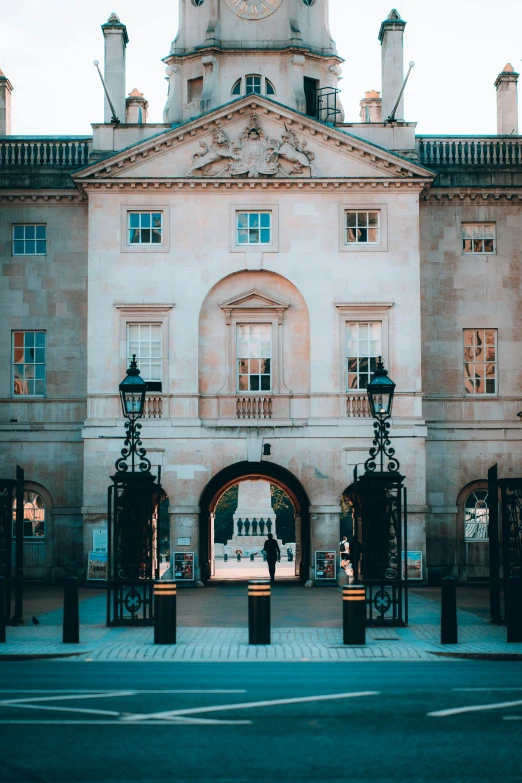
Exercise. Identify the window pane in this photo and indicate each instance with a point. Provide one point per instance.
(145, 236)
(41, 232)
(39, 387)
(134, 220)
(254, 383)
(373, 235)
(467, 231)
(265, 383)
(41, 247)
(242, 237)
(39, 355)
(134, 236)
(30, 247)
(478, 246)
(145, 220)
(488, 246)
(265, 219)
(362, 235)
(28, 339)
(254, 366)
(40, 339)
(156, 220)
(265, 236)
(373, 219)
(253, 220)
(351, 237)
(265, 366)
(18, 232)
(351, 219)
(253, 236)
(30, 232)
(18, 248)
(243, 383)
(242, 220)
(467, 248)
(156, 236)
(352, 381)
(362, 218)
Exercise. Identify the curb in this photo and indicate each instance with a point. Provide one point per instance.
(479, 656)
(41, 656)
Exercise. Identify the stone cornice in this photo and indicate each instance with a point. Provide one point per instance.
(61, 198)
(222, 50)
(445, 196)
(221, 184)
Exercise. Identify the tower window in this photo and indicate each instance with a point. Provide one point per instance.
(198, 3)
(236, 89)
(269, 87)
(310, 90)
(253, 85)
(309, 3)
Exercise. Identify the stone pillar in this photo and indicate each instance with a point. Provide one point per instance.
(507, 101)
(325, 530)
(371, 107)
(136, 108)
(6, 88)
(391, 36)
(184, 523)
(116, 40)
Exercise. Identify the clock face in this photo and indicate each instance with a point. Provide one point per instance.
(253, 9)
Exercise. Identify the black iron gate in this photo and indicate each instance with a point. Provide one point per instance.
(134, 548)
(380, 545)
(505, 537)
(11, 490)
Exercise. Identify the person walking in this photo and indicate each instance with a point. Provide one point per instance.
(344, 547)
(273, 554)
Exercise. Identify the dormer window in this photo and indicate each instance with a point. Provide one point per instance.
(253, 84)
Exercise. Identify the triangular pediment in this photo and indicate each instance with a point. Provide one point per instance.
(254, 299)
(252, 138)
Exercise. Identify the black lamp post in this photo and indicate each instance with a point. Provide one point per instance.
(380, 397)
(132, 393)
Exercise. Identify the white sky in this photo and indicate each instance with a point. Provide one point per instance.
(459, 46)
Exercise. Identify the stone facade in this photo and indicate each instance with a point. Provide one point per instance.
(228, 154)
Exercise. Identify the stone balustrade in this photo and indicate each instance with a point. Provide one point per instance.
(469, 150)
(153, 407)
(72, 152)
(357, 406)
(254, 407)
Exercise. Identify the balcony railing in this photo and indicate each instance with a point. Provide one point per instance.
(153, 407)
(72, 152)
(254, 407)
(357, 406)
(469, 150)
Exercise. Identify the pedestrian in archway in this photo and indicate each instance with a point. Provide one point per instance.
(273, 554)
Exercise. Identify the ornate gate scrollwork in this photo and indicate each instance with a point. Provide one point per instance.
(505, 537)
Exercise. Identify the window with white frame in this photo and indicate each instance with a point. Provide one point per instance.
(34, 515)
(254, 357)
(478, 238)
(362, 228)
(28, 351)
(144, 341)
(145, 228)
(30, 239)
(254, 228)
(476, 516)
(363, 347)
(480, 361)
(253, 85)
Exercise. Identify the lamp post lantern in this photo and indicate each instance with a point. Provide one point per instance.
(381, 390)
(132, 393)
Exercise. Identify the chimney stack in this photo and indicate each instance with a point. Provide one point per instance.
(371, 107)
(391, 36)
(507, 102)
(116, 39)
(6, 88)
(137, 106)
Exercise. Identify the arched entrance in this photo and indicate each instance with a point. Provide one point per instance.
(245, 471)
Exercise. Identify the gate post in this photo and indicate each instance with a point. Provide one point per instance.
(514, 605)
(494, 547)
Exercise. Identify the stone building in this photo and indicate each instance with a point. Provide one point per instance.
(258, 252)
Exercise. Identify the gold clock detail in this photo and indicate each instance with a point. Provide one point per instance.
(253, 9)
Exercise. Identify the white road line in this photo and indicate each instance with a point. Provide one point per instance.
(105, 695)
(247, 705)
(62, 709)
(104, 690)
(512, 717)
(482, 690)
(475, 708)
(180, 722)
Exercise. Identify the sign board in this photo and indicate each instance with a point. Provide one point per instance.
(184, 541)
(325, 565)
(414, 565)
(183, 566)
(99, 540)
(98, 567)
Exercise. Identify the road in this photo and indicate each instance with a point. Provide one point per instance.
(81, 722)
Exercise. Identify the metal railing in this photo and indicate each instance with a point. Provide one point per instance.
(254, 407)
(28, 151)
(470, 150)
(357, 406)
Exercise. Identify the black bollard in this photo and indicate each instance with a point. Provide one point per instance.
(238, 557)
(165, 613)
(225, 557)
(448, 616)
(252, 557)
(259, 611)
(514, 609)
(3, 613)
(71, 616)
(354, 614)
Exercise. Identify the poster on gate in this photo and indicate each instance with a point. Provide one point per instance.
(183, 566)
(325, 565)
(413, 565)
(98, 567)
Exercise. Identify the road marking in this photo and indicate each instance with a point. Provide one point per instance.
(475, 708)
(482, 690)
(104, 695)
(247, 705)
(91, 690)
(60, 709)
(512, 717)
(180, 722)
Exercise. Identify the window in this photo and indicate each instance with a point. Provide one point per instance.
(145, 228)
(476, 516)
(309, 2)
(29, 364)
(34, 515)
(198, 3)
(480, 361)
(254, 228)
(253, 85)
(310, 90)
(478, 238)
(236, 89)
(194, 89)
(254, 357)
(144, 340)
(362, 228)
(30, 240)
(269, 87)
(363, 346)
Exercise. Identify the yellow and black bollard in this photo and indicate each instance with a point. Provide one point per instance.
(354, 614)
(259, 611)
(448, 616)
(165, 613)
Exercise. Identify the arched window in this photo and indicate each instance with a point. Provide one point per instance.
(309, 2)
(476, 516)
(34, 515)
(253, 84)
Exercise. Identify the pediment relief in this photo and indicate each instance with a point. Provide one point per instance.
(253, 138)
(254, 299)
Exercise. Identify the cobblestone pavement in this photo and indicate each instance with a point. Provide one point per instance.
(419, 641)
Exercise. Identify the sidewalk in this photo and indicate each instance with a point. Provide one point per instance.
(306, 625)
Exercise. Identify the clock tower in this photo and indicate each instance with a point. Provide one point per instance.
(227, 48)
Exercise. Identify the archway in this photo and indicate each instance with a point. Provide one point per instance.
(247, 471)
